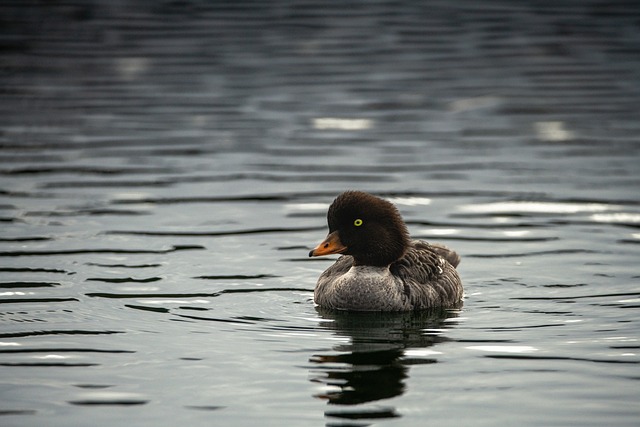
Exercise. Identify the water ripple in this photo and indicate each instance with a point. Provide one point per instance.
(35, 300)
(123, 279)
(362, 414)
(555, 297)
(535, 253)
(99, 251)
(218, 127)
(34, 270)
(11, 285)
(537, 207)
(561, 358)
(18, 412)
(62, 350)
(49, 364)
(237, 277)
(109, 399)
(56, 332)
(276, 230)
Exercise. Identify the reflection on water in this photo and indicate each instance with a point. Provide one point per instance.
(374, 363)
(362, 377)
(341, 124)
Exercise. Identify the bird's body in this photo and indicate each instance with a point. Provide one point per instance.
(382, 269)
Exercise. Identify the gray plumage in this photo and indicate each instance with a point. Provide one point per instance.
(374, 274)
(421, 279)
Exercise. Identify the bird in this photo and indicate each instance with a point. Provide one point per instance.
(381, 268)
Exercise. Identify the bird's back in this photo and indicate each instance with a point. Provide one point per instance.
(429, 275)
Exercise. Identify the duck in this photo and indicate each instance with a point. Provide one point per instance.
(381, 268)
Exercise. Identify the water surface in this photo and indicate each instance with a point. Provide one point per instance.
(165, 169)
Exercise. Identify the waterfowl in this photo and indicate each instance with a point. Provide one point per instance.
(381, 267)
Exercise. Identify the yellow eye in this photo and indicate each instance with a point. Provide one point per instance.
(357, 222)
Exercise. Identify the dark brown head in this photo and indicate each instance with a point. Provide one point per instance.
(366, 227)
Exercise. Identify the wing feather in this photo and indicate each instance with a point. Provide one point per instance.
(429, 278)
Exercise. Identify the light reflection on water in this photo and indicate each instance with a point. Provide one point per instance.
(163, 177)
(538, 207)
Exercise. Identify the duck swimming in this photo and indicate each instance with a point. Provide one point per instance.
(382, 269)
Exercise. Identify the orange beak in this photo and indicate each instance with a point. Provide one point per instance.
(330, 245)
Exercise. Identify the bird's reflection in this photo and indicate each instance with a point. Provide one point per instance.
(362, 377)
(371, 363)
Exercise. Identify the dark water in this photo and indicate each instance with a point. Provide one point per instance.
(166, 166)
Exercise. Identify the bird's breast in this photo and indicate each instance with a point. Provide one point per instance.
(365, 288)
